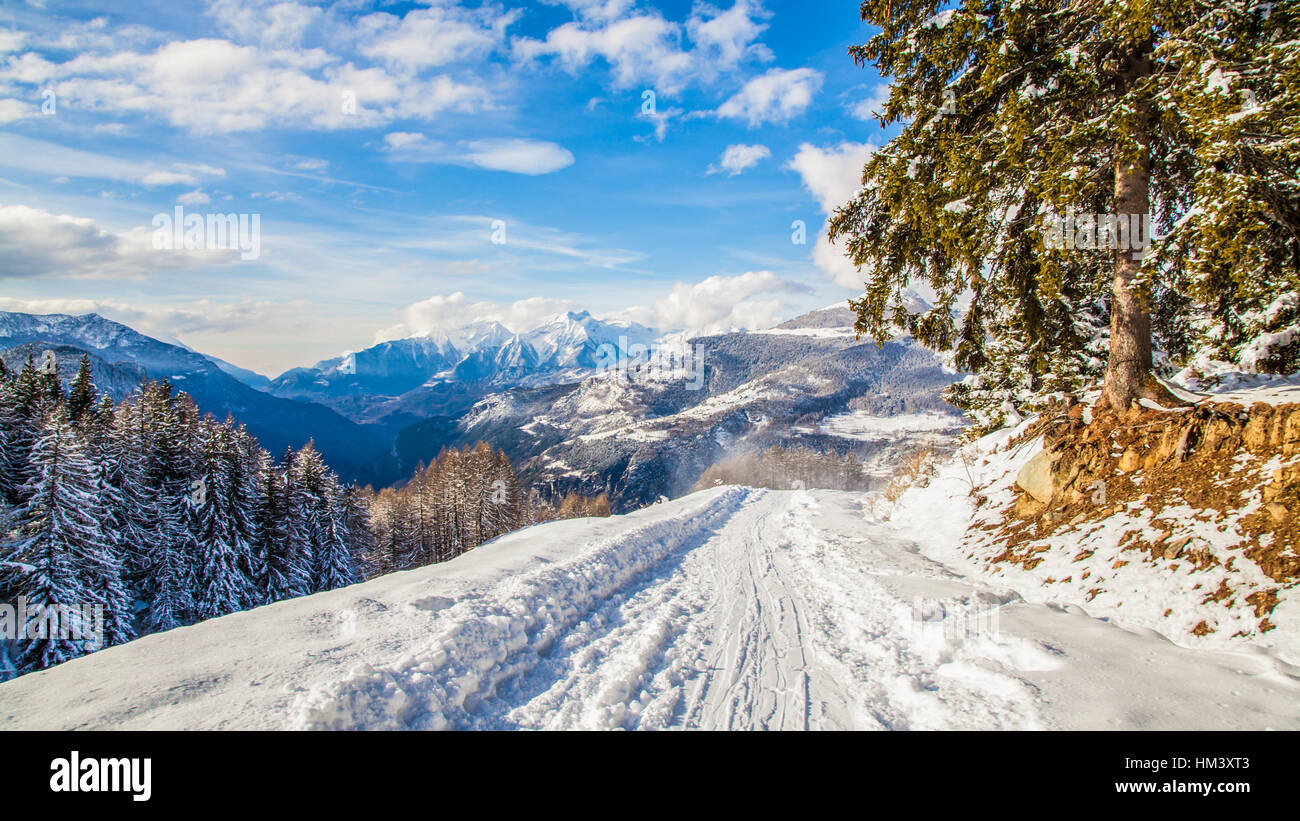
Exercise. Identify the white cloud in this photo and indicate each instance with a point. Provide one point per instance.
(642, 47)
(715, 305)
(660, 120)
(271, 23)
(834, 176)
(595, 9)
(435, 36)
(36, 243)
(719, 304)
(773, 97)
(83, 36)
(520, 156)
(201, 168)
(311, 164)
(276, 196)
(11, 41)
(728, 37)
(195, 197)
(737, 158)
(402, 139)
(59, 161)
(156, 178)
(161, 322)
(11, 110)
(217, 86)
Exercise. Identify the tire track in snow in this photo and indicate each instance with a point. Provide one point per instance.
(737, 612)
(500, 640)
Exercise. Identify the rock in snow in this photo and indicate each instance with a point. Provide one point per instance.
(1036, 477)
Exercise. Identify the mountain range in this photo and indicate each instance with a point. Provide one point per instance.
(578, 403)
(393, 384)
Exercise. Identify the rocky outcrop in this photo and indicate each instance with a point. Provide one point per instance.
(1208, 457)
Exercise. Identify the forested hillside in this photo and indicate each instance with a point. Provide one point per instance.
(121, 519)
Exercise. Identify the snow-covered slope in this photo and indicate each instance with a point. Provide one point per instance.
(729, 608)
(1189, 550)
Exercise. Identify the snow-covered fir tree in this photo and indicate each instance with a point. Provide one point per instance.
(222, 582)
(1036, 136)
(61, 548)
(108, 466)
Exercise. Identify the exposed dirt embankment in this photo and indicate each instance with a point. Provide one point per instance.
(1207, 494)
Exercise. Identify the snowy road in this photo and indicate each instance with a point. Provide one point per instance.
(728, 609)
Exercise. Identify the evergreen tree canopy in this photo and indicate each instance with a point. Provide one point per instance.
(1017, 115)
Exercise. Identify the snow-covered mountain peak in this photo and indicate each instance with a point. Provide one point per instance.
(479, 335)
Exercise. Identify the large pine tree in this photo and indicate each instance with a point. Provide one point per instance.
(62, 547)
(222, 583)
(1016, 115)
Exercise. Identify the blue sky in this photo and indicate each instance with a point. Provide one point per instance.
(415, 166)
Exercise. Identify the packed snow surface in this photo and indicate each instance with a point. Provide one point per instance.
(733, 608)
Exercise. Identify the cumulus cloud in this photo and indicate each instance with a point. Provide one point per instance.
(833, 176)
(11, 41)
(642, 47)
(264, 77)
(715, 305)
(11, 110)
(402, 139)
(776, 96)
(728, 38)
(595, 9)
(36, 243)
(269, 22)
(434, 36)
(719, 304)
(737, 158)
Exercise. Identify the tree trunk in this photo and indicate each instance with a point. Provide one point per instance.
(1129, 375)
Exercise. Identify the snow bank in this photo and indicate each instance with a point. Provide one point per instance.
(961, 516)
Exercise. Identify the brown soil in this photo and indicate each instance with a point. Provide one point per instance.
(1194, 457)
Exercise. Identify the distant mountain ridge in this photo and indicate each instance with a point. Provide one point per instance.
(388, 383)
(121, 357)
(639, 434)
